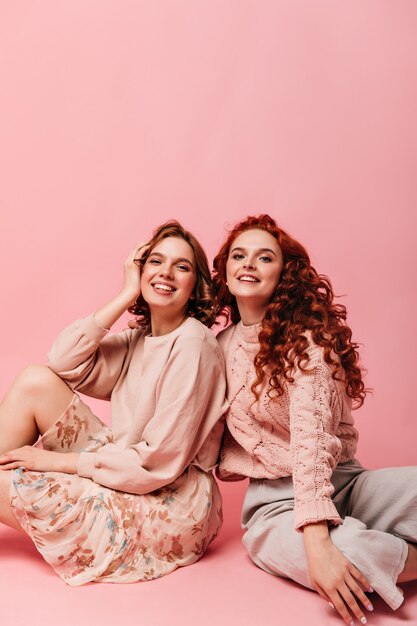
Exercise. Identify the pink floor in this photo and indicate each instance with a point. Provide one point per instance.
(224, 588)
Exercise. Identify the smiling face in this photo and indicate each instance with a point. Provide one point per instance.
(254, 267)
(169, 276)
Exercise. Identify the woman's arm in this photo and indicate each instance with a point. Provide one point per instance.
(88, 361)
(190, 399)
(315, 447)
(39, 460)
(83, 356)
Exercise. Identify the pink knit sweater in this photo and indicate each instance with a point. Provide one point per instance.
(304, 433)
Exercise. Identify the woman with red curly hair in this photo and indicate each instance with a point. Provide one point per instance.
(312, 513)
(137, 500)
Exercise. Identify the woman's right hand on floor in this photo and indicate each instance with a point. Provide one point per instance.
(333, 576)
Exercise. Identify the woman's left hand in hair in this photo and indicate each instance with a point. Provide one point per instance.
(39, 460)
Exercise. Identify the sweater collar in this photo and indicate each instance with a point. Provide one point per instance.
(151, 340)
(249, 334)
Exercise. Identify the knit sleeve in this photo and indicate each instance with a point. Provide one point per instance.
(190, 399)
(89, 360)
(315, 449)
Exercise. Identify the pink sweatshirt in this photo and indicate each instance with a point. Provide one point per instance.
(165, 408)
(304, 433)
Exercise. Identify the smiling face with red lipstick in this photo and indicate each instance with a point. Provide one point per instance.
(253, 270)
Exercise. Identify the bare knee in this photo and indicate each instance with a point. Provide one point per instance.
(36, 379)
(31, 406)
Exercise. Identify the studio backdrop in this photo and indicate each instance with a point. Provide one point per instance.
(116, 116)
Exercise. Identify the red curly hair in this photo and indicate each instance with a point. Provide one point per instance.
(303, 300)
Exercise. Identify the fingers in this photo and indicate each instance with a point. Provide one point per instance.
(11, 466)
(345, 600)
(323, 595)
(364, 582)
(339, 582)
(138, 252)
(352, 605)
(339, 604)
(7, 457)
(336, 602)
(10, 461)
(15, 455)
(358, 591)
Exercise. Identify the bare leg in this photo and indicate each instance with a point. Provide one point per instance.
(6, 515)
(410, 568)
(32, 405)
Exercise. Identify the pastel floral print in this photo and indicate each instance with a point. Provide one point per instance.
(88, 532)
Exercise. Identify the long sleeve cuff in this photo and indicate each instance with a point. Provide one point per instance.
(92, 330)
(86, 464)
(316, 511)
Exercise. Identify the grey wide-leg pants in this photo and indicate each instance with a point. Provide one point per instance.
(379, 511)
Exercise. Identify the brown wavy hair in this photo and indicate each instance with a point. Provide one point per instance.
(303, 300)
(201, 303)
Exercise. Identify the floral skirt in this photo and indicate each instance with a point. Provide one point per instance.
(88, 532)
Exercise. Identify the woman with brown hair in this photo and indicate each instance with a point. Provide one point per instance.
(312, 513)
(137, 500)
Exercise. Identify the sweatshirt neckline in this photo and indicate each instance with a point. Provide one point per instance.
(161, 338)
(249, 333)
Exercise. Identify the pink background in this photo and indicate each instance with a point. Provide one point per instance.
(116, 116)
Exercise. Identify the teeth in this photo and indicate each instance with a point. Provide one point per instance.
(248, 279)
(163, 287)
